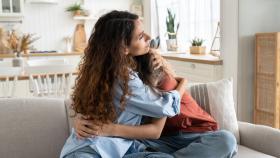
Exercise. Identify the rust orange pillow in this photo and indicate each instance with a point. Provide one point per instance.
(192, 117)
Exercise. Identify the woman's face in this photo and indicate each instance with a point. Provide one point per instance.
(140, 43)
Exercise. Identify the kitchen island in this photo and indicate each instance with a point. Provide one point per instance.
(2, 56)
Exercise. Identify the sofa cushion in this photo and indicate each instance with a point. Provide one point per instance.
(32, 128)
(217, 99)
(244, 152)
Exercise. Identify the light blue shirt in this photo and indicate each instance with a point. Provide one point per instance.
(144, 101)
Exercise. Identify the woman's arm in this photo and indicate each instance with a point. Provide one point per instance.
(87, 128)
(147, 131)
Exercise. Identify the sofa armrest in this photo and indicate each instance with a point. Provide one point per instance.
(259, 137)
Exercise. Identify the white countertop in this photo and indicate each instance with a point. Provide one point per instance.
(205, 59)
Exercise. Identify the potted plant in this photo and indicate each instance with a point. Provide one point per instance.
(171, 32)
(197, 47)
(76, 9)
(20, 44)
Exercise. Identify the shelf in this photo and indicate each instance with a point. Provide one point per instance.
(92, 18)
(11, 17)
(204, 59)
(85, 18)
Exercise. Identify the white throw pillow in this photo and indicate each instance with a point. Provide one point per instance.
(217, 99)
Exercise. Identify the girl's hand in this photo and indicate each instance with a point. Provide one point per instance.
(181, 79)
(157, 59)
(181, 87)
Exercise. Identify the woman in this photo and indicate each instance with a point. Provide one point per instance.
(108, 89)
(196, 141)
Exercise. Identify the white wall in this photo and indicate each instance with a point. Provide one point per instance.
(52, 23)
(229, 42)
(240, 20)
(254, 16)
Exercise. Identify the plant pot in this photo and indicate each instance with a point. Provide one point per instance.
(78, 13)
(197, 50)
(171, 44)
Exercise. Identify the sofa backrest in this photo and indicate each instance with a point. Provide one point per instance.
(32, 127)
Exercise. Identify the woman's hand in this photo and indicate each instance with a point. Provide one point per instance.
(86, 128)
(81, 126)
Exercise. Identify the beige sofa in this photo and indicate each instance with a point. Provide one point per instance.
(38, 128)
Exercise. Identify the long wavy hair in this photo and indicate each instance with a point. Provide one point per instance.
(104, 63)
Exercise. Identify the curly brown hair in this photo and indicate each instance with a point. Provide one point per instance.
(102, 65)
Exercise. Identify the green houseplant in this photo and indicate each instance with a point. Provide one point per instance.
(197, 47)
(171, 31)
(76, 9)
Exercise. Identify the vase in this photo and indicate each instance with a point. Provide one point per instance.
(17, 61)
(171, 44)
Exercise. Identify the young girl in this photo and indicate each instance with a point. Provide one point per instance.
(192, 117)
(108, 89)
(188, 139)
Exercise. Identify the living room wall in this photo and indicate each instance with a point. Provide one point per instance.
(254, 16)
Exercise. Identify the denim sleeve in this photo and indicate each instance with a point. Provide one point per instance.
(145, 101)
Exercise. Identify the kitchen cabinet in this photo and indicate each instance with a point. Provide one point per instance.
(196, 72)
(196, 68)
(11, 8)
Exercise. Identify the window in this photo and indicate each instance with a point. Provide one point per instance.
(197, 18)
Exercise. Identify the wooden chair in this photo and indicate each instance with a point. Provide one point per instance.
(8, 80)
(50, 80)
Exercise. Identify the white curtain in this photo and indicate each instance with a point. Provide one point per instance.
(197, 18)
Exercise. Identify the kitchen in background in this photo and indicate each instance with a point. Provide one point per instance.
(41, 43)
(49, 21)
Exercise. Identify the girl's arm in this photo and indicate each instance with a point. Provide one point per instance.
(181, 87)
(87, 128)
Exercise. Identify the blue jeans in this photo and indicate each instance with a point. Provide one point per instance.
(219, 144)
(88, 152)
(85, 152)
